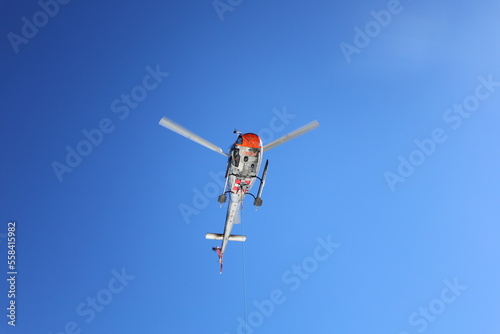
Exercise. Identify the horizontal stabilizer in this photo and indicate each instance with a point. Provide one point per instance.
(232, 237)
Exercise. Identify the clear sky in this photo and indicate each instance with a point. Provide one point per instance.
(385, 219)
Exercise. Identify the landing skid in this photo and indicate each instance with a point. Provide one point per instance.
(257, 199)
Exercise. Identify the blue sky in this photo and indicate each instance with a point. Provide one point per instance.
(383, 220)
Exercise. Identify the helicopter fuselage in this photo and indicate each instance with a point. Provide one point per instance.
(245, 157)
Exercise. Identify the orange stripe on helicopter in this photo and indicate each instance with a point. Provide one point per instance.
(238, 182)
(251, 140)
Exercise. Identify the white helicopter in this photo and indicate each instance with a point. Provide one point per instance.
(244, 160)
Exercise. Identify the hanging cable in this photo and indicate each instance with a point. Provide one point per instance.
(244, 272)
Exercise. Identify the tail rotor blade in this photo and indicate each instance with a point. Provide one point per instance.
(291, 135)
(179, 129)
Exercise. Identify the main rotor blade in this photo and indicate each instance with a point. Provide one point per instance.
(291, 135)
(171, 125)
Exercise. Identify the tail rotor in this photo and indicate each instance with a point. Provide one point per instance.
(219, 254)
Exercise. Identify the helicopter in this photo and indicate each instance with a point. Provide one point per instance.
(243, 164)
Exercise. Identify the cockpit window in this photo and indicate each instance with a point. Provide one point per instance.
(235, 158)
(239, 141)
